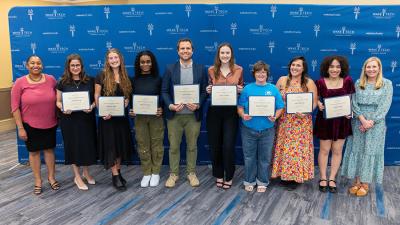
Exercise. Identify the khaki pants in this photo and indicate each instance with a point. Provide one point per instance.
(176, 127)
(149, 138)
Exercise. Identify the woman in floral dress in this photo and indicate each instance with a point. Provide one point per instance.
(293, 158)
(364, 155)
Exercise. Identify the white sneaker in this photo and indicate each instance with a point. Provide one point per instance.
(145, 181)
(155, 180)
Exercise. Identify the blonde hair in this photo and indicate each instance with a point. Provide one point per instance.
(110, 86)
(364, 78)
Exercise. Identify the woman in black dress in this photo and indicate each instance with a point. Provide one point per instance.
(79, 127)
(114, 136)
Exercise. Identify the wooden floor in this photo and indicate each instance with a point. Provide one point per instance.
(101, 204)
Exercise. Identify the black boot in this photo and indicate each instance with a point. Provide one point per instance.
(117, 183)
(121, 178)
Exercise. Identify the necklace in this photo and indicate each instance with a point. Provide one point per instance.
(77, 84)
(334, 84)
(35, 80)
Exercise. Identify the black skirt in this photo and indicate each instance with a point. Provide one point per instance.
(114, 140)
(79, 135)
(40, 139)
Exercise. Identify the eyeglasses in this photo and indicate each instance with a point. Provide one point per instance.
(75, 65)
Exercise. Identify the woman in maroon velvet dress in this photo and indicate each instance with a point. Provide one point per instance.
(332, 133)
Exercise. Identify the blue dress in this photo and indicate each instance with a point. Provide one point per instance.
(364, 154)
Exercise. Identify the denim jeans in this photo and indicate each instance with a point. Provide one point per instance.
(257, 152)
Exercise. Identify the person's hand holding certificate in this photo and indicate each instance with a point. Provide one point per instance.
(75, 101)
(222, 95)
(145, 104)
(261, 105)
(184, 94)
(114, 106)
(337, 106)
(299, 102)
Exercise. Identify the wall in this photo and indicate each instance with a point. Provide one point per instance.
(6, 123)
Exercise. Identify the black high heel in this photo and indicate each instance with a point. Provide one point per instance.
(323, 188)
(117, 183)
(121, 178)
(332, 189)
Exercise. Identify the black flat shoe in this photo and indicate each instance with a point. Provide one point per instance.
(292, 185)
(321, 187)
(332, 189)
(117, 183)
(121, 178)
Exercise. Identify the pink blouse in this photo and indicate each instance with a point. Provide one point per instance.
(37, 102)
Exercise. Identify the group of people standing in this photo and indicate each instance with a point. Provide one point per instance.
(278, 146)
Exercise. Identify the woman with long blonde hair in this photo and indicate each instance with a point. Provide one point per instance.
(364, 155)
(114, 136)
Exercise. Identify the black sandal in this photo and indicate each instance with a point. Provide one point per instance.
(37, 190)
(323, 188)
(332, 189)
(55, 186)
(226, 186)
(219, 184)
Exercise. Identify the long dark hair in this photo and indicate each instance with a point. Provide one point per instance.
(154, 65)
(66, 78)
(217, 60)
(304, 74)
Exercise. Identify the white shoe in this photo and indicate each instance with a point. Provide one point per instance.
(82, 187)
(155, 180)
(145, 181)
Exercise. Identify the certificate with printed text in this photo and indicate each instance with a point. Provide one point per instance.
(299, 102)
(337, 106)
(145, 104)
(186, 94)
(261, 105)
(75, 101)
(114, 106)
(224, 95)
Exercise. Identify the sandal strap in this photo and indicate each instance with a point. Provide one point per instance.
(55, 185)
(334, 181)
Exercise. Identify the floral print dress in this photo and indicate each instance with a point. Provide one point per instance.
(364, 154)
(294, 150)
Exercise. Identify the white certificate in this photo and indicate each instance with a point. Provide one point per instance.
(224, 95)
(186, 94)
(145, 104)
(75, 101)
(261, 105)
(337, 106)
(114, 106)
(299, 102)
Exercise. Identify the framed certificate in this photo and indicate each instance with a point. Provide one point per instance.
(186, 94)
(337, 106)
(75, 101)
(145, 104)
(111, 105)
(261, 105)
(299, 102)
(222, 95)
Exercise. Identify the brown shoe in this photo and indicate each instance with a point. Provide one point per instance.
(354, 188)
(193, 181)
(363, 190)
(171, 181)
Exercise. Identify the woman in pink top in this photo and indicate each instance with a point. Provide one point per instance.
(33, 99)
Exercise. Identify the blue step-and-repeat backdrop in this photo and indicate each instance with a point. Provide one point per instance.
(273, 33)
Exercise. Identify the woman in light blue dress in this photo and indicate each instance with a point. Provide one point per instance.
(364, 155)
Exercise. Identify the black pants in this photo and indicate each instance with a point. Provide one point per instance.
(222, 125)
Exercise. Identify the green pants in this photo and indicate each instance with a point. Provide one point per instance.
(176, 127)
(149, 138)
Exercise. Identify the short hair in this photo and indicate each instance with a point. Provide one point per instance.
(184, 40)
(31, 56)
(260, 65)
(327, 61)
